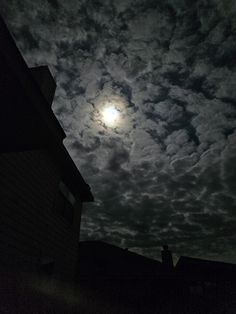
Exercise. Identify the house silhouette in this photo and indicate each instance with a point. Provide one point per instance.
(41, 189)
(129, 282)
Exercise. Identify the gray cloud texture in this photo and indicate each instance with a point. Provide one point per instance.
(167, 172)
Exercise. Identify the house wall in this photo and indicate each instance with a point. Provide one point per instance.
(31, 229)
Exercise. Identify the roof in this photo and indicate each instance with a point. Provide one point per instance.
(206, 269)
(45, 81)
(26, 119)
(100, 257)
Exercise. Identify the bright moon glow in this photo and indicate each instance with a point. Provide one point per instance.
(110, 115)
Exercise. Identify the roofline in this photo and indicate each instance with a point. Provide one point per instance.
(56, 134)
(25, 78)
(118, 248)
(201, 260)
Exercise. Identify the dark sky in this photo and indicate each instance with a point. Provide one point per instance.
(167, 171)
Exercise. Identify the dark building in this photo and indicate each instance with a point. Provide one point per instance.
(99, 259)
(41, 189)
(202, 275)
(118, 279)
(127, 282)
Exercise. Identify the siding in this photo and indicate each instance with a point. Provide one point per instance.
(30, 228)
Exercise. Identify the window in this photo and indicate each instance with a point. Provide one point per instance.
(65, 203)
(46, 266)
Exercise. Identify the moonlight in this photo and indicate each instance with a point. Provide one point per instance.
(110, 116)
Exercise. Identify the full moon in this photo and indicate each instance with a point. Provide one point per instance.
(110, 116)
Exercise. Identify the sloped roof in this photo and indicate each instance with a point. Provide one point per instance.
(98, 256)
(206, 269)
(26, 119)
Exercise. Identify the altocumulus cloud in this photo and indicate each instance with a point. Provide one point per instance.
(167, 172)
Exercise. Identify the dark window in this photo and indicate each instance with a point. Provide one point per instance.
(47, 267)
(64, 207)
(68, 211)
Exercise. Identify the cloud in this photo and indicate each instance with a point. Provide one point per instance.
(166, 172)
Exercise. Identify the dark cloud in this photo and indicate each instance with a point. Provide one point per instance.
(117, 159)
(54, 3)
(166, 172)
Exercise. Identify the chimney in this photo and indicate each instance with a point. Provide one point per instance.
(167, 260)
(45, 81)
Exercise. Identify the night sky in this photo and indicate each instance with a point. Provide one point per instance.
(165, 170)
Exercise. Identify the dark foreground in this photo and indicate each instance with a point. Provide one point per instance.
(24, 294)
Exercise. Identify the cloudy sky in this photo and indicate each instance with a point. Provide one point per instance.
(165, 170)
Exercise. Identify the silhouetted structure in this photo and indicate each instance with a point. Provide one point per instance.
(118, 277)
(99, 258)
(41, 190)
(167, 260)
(127, 282)
(201, 273)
